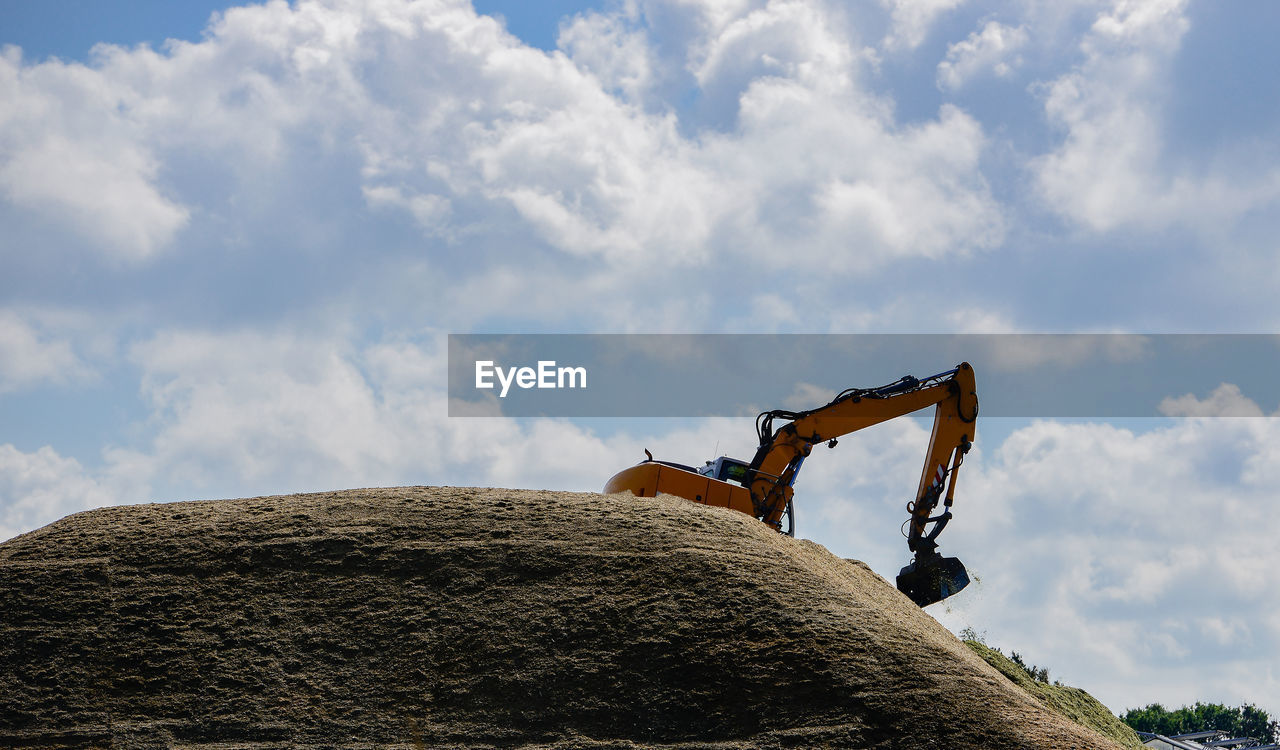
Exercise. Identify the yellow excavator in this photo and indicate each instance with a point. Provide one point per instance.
(763, 487)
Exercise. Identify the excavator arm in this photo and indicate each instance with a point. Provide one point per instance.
(763, 487)
(781, 453)
(953, 394)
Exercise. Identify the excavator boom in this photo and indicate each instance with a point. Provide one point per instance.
(764, 487)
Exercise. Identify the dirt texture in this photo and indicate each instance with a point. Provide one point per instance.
(1071, 702)
(458, 617)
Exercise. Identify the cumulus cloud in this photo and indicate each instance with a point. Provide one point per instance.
(791, 40)
(263, 412)
(1225, 401)
(1021, 352)
(993, 48)
(912, 20)
(30, 356)
(40, 487)
(614, 50)
(430, 211)
(249, 413)
(807, 396)
(71, 153)
(247, 404)
(450, 120)
(1112, 168)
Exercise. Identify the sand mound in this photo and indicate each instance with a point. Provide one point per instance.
(452, 617)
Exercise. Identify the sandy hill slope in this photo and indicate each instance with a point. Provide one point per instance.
(1071, 702)
(454, 617)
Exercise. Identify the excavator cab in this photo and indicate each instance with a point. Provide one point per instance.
(930, 578)
(726, 470)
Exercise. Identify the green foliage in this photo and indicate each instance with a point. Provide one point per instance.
(1073, 703)
(1246, 721)
(1039, 674)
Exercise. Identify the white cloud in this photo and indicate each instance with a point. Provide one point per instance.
(1017, 352)
(608, 47)
(1224, 632)
(964, 216)
(472, 134)
(807, 396)
(29, 356)
(771, 312)
(258, 413)
(993, 48)
(40, 487)
(430, 211)
(792, 40)
(273, 408)
(1225, 401)
(844, 171)
(1113, 169)
(71, 153)
(912, 20)
(251, 413)
(1142, 23)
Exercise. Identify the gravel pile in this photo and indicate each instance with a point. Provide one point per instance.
(465, 617)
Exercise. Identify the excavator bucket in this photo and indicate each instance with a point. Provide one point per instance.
(931, 578)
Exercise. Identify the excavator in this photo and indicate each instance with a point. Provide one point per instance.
(763, 487)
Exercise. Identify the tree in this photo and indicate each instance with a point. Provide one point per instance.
(1245, 721)
(1254, 722)
(1040, 674)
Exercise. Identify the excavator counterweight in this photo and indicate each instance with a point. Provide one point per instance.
(763, 487)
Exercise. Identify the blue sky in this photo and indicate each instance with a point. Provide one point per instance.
(230, 263)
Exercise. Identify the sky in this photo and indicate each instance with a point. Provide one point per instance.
(236, 238)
